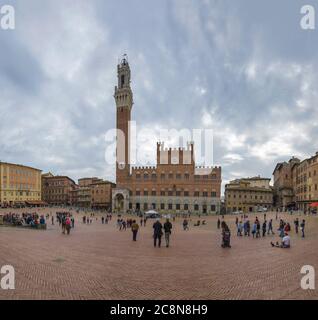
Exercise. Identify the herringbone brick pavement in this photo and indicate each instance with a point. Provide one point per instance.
(100, 262)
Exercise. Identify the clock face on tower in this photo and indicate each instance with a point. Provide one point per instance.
(174, 160)
(121, 165)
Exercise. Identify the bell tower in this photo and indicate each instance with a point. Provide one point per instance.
(124, 101)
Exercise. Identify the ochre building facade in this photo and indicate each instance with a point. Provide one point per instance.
(305, 183)
(248, 195)
(19, 185)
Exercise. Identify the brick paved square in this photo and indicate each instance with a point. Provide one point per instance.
(100, 262)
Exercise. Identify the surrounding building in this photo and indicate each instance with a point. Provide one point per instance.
(296, 183)
(19, 185)
(92, 193)
(305, 182)
(248, 195)
(101, 195)
(86, 182)
(284, 195)
(74, 196)
(83, 197)
(56, 190)
(175, 184)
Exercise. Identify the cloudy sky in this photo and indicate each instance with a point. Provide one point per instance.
(243, 68)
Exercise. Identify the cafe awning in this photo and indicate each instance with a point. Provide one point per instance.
(314, 205)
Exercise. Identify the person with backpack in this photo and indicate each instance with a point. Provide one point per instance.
(68, 225)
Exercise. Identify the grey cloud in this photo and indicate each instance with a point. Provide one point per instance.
(195, 64)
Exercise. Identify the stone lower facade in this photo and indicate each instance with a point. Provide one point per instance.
(123, 202)
(175, 204)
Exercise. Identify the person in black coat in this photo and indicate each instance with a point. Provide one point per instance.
(157, 233)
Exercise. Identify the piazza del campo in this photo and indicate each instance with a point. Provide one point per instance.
(96, 257)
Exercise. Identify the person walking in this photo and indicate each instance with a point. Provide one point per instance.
(68, 225)
(247, 228)
(157, 234)
(73, 222)
(254, 229)
(287, 227)
(270, 227)
(281, 228)
(219, 223)
(185, 225)
(302, 228)
(296, 223)
(226, 235)
(52, 220)
(134, 229)
(167, 228)
(264, 228)
(63, 224)
(258, 228)
(239, 229)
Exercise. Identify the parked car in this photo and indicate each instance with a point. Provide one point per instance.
(152, 214)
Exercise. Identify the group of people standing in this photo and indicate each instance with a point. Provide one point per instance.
(66, 220)
(256, 229)
(158, 231)
(259, 230)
